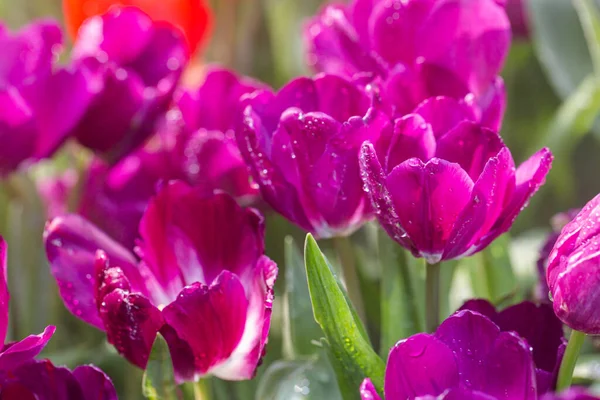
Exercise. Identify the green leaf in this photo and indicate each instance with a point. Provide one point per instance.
(492, 275)
(402, 295)
(310, 379)
(299, 326)
(352, 356)
(590, 22)
(560, 43)
(159, 380)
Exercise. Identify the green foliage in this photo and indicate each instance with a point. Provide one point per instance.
(352, 357)
(159, 380)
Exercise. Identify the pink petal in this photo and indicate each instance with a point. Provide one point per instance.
(367, 391)
(210, 319)
(15, 354)
(185, 239)
(471, 146)
(429, 198)
(443, 114)
(412, 137)
(4, 293)
(96, 384)
(419, 366)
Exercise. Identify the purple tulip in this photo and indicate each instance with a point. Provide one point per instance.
(558, 222)
(573, 271)
(445, 187)
(39, 104)
(302, 146)
(133, 66)
(519, 19)
(202, 281)
(419, 48)
(195, 143)
(41, 380)
(540, 328)
(468, 357)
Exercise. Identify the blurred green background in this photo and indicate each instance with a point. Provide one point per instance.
(552, 79)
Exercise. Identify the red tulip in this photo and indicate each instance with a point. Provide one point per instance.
(193, 17)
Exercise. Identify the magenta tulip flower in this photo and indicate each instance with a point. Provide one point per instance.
(468, 357)
(540, 328)
(419, 48)
(302, 146)
(22, 377)
(445, 187)
(195, 143)
(573, 271)
(39, 103)
(41, 380)
(202, 281)
(133, 65)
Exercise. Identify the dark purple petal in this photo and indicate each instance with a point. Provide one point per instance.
(15, 354)
(210, 319)
(96, 384)
(418, 366)
(43, 381)
(185, 239)
(367, 391)
(429, 198)
(131, 323)
(71, 245)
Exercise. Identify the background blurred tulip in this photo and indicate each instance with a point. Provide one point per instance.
(192, 17)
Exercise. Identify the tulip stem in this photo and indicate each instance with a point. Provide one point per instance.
(346, 256)
(567, 366)
(432, 297)
(202, 390)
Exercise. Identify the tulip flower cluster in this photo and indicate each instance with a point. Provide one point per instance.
(158, 233)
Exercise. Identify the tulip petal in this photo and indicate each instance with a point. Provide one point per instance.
(443, 114)
(96, 384)
(131, 323)
(367, 391)
(4, 293)
(429, 198)
(185, 241)
(412, 137)
(485, 206)
(210, 319)
(374, 181)
(471, 146)
(18, 353)
(71, 244)
(418, 366)
(529, 177)
(44, 381)
(493, 106)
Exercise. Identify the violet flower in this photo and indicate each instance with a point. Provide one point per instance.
(23, 377)
(41, 380)
(468, 357)
(419, 48)
(540, 328)
(39, 104)
(133, 65)
(302, 146)
(203, 282)
(573, 271)
(444, 187)
(195, 143)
